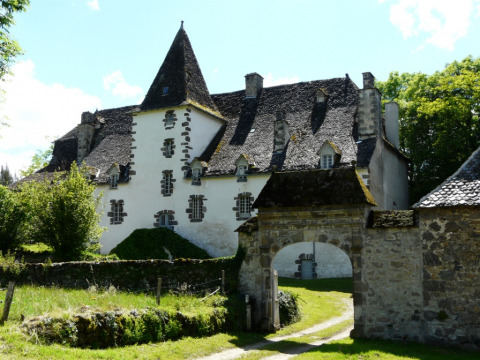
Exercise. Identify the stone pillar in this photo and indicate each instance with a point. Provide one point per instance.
(369, 114)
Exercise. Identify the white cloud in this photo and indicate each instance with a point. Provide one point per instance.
(93, 4)
(37, 113)
(270, 81)
(115, 83)
(443, 21)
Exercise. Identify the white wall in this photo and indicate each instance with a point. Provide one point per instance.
(331, 261)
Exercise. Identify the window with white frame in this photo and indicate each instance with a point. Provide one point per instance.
(242, 168)
(116, 213)
(167, 183)
(113, 181)
(165, 220)
(327, 161)
(243, 206)
(196, 174)
(196, 209)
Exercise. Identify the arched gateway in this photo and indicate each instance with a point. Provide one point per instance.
(326, 206)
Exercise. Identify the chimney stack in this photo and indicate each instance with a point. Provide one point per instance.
(391, 123)
(253, 85)
(86, 130)
(369, 115)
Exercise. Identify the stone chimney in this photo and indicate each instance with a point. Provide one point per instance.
(253, 85)
(281, 132)
(86, 130)
(391, 123)
(369, 115)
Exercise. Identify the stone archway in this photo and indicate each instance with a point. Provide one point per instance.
(275, 228)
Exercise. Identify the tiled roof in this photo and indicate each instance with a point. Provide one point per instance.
(460, 189)
(314, 188)
(111, 143)
(181, 74)
(250, 128)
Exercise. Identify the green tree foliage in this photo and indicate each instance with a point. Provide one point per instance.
(9, 48)
(39, 161)
(64, 213)
(439, 120)
(12, 216)
(6, 177)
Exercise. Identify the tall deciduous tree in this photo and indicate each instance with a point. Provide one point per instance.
(64, 213)
(439, 119)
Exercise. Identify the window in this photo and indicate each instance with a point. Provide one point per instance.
(165, 90)
(168, 148)
(165, 218)
(116, 214)
(327, 161)
(113, 181)
(242, 167)
(196, 173)
(196, 210)
(243, 206)
(167, 183)
(170, 119)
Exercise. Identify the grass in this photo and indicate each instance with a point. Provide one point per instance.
(349, 349)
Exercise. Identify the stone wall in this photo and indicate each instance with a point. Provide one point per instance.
(126, 274)
(416, 274)
(451, 275)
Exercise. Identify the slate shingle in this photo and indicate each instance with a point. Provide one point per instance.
(460, 189)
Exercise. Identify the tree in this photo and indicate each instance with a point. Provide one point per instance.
(439, 120)
(5, 177)
(12, 216)
(64, 208)
(9, 48)
(39, 161)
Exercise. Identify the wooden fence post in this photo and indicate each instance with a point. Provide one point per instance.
(159, 289)
(8, 301)
(223, 282)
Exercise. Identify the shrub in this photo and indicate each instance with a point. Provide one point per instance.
(288, 308)
(144, 244)
(12, 217)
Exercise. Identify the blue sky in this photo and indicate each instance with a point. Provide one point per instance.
(81, 55)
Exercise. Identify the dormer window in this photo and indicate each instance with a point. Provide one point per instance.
(165, 90)
(242, 167)
(329, 155)
(113, 181)
(327, 161)
(197, 168)
(113, 176)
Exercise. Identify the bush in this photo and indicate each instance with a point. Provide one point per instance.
(288, 308)
(12, 218)
(144, 244)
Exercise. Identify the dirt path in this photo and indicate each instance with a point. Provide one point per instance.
(238, 352)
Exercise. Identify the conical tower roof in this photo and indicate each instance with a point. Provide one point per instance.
(179, 79)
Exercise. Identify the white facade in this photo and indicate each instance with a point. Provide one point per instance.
(142, 195)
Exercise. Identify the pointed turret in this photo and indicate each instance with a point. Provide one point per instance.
(179, 79)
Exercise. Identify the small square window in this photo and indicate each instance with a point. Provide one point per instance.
(165, 90)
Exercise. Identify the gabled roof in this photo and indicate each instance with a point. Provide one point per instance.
(181, 74)
(250, 128)
(314, 188)
(460, 189)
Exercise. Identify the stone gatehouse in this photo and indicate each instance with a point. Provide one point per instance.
(416, 273)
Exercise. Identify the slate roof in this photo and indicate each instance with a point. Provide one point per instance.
(111, 144)
(314, 188)
(460, 189)
(181, 73)
(250, 127)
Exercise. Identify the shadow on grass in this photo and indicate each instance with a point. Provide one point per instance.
(377, 349)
